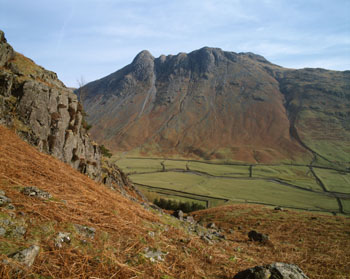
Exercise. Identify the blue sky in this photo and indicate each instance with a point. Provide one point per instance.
(93, 38)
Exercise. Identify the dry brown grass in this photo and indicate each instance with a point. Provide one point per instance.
(123, 230)
(319, 244)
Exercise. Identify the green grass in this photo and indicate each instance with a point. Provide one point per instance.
(346, 205)
(334, 180)
(332, 150)
(241, 190)
(139, 165)
(220, 170)
(171, 164)
(327, 137)
(296, 175)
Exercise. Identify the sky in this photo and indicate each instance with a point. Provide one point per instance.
(89, 39)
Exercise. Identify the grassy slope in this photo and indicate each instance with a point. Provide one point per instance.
(317, 244)
(123, 230)
(122, 226)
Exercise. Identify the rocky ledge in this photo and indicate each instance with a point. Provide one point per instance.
(44, 112)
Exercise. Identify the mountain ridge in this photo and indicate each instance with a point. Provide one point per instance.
(208, 103)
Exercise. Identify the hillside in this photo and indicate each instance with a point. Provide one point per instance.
(46, 114)
(120, 230)
(214, 104)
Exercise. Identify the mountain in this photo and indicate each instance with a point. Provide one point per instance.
(215, 104)
(57, 220)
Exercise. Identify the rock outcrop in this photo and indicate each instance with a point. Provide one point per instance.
(46, 113)
(273, 271)
(6, 51)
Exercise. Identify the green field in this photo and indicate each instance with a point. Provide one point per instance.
(170, 164)
(334, 181)
(220, 170)
(241, 190)
(297, 175)
(214, 183)
(139, 166)
(346, 206)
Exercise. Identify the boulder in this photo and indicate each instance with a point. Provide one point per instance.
(35, 192)
(272, 271)
(62, 238)
(85, 231)
(26, 256)
(190, 219)
(256, 236)
(211, 226)
(4, 200)
(154, 255)
(179, 214)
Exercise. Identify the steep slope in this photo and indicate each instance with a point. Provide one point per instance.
(318, 103)
(208, 103)
(117, 231)
(38, 106)
(46, 113)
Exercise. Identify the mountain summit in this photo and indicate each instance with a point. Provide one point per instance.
(216, 104)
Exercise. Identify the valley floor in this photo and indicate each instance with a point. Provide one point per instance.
(302, 187)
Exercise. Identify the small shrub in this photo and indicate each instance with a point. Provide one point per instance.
(105, 151)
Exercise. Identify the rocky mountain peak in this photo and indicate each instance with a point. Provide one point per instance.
(144, 55)
(206, 58)
(143, 66)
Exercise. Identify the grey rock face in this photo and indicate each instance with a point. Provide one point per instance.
(50, 115)
(26, 256)
(35, 192)
(6, 51)
(55, 118)
(272, 271)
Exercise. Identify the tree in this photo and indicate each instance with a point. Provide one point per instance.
(105, 151)
(81, 91)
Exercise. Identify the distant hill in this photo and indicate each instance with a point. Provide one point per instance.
(215, 104)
